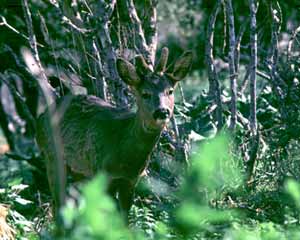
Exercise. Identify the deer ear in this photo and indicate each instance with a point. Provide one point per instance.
(182, 66)
(127, 72)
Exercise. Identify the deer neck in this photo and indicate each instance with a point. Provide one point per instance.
(144, 137)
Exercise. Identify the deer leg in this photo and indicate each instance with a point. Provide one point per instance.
(125, 197)
(58, 189)
(112, 191)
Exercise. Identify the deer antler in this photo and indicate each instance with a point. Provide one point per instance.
(162, 63)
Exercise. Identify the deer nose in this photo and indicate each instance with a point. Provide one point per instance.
(161, 113)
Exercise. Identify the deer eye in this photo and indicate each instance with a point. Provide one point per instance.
(171, 91)
(146, 95)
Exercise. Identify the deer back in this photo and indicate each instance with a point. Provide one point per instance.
(89, 130)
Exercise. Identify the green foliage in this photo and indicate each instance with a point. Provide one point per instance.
(201, 209)
(293, 189)
(12, 197)
(96, 216)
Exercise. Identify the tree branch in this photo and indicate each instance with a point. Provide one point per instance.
(150, 27)
(49, 92)
(102, 13)
(291, 42)
(23, 109)
(238, 46)
(253, 68)
(214, 88)
(232, 72)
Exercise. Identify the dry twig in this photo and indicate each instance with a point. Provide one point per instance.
(232, 71)
(214, 87)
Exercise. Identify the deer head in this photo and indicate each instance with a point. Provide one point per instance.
(154, 87)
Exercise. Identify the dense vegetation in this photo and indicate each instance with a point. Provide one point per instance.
(227, 167)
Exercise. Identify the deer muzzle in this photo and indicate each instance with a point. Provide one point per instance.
(162, 115)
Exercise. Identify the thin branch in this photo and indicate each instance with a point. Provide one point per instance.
(107, 51)
(263, 75)
(253, 66)
(224, 28)
(24, 111)
(291, 42)
(150, 27)
(100, 12)
(214, 88)
(273, 54)
(100, 83)
(181, 94)
(127, 9)
(232, 72)
(181, 153)
(238, 45)
(74, 26)
(5, 23)
(70, 18)
(244, 83)
(49, 92)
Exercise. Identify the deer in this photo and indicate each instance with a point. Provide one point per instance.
(96, 136)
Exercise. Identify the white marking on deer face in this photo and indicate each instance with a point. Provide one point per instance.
(155, 100)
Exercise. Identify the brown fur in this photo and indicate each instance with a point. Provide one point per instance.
(96, 136)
